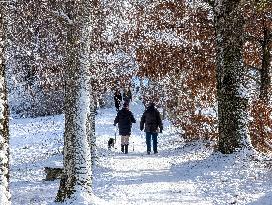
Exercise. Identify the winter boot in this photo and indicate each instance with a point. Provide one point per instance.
(126, 149)
(122, 148)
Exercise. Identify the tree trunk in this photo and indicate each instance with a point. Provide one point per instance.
(91, 134)
(232, 102)
(98, 26)
(4, 115)
(265, 70)
(77, 178)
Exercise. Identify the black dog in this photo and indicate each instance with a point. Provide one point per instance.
(110, 143)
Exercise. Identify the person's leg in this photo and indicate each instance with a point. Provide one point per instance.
(122, 143)
(155, 142)
(126, 143)
(148, 142)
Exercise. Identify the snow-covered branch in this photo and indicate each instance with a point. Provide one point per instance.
(210, 2)
(63, 16)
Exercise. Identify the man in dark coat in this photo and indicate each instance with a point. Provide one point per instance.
(124, 119)
(117, 99)
(152, 124)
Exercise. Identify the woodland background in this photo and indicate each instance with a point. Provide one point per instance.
(180, 53)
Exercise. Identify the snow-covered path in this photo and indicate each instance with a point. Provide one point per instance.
(137, 178)
(179, 174)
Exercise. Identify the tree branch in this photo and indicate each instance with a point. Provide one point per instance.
(252, 77)
(210, 2)
(63, 16)
(253, 38)
(270, 37)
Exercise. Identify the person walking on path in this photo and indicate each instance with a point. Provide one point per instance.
(117, 99)
(124, 119)
(127, 96)
(152, 124)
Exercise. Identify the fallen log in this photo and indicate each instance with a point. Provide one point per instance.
(53, 173)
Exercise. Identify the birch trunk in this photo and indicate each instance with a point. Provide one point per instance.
(77, 180)
(232, 103)
(4, 114)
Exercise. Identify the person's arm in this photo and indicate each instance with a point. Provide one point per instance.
(116, 120)
(159, 121)
(132, 118)
(130, 95)
(142, 122)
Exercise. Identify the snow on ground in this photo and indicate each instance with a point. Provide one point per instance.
(179, 174)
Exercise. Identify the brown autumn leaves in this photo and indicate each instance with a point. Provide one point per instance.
(175, 48)
(173, 45)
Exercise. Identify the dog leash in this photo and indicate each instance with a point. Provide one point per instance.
(115, 135)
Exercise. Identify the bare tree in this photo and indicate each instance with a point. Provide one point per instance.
(4, 114)
(77, 176)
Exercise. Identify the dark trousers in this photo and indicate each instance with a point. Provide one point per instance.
(154, 136)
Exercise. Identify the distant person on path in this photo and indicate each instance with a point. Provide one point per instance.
(152, 124)
(124, 119)
(144, 101)
(127, 96)
(117, 99)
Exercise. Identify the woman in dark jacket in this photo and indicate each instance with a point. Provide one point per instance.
(152, 124)
(124, 119)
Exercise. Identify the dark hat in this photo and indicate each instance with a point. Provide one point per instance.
(125, 104)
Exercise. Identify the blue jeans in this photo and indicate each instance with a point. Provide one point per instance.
(154, 136)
